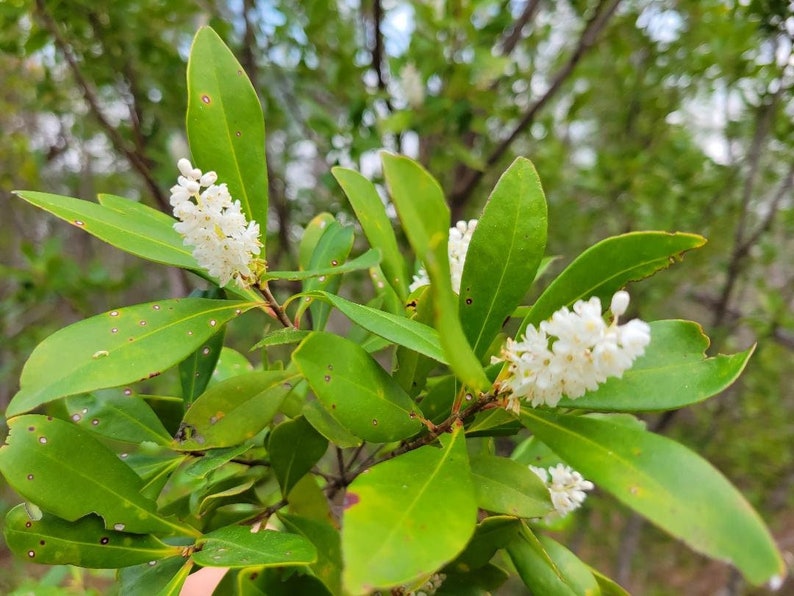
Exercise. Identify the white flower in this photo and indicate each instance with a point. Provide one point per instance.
(566, 487)
(225, 243)
(457, 247)
(571, 353)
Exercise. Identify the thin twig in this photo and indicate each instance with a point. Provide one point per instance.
(136, 160)
(595, 25)
(275, 306)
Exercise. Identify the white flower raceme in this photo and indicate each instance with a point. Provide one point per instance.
(566, 487)
(225, 243)
(458, 246)
(572, 353)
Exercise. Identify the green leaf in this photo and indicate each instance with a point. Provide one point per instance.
(667, 483)
(371, 214)
(281, 337)
(68, 472)
(328, 426)
(117, 414)
(231, 363)
(225, 126)
(547, 567)
(174, 586)
(289, 462)
(332, 249)
(408, 516)
(492, 534)
(355, 390)
(504, 254)
(238, 546)
(400, 330)
(233, 410)
(674, 372)
(425, 218)
(85, 542)
(505, 486)
(326, 540)
(609, 265)
(121, 346)
(370, 258)
(145, 580)
(311, 236)
(196, 370)
(138, 230)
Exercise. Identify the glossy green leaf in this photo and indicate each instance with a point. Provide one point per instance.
(311, 236)
(281, 337)
(332, 250)
(608, 586)
(667, 483)
(233, 410)
(408, 516)
(143, 232)
(400, 330)
(504, 254)
(370, 258)
(196, 370)
(355, 390)
(231, 363)
(505, 486)
(294, 447)
(225, 126)
(371, 214)
(174, 585)
(68, 472)
(238, 546)
(492, 533)
(148, 579)
(547, 567)
(117, 414)
(674, 372)
(326, 539)
(609, 265)
(85, 542)
(213, 459)
(412, 366)
(325, 424)
(425, 218)
(120, 346)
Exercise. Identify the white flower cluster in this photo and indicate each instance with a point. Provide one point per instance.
(225, 244)
(458, 246)
(566, 487)
(571, 353)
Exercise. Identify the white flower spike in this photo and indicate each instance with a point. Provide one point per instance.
(571, 353)
(459, 239)
(225, 243)
(566, 487)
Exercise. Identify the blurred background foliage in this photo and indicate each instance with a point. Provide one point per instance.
(638, 114)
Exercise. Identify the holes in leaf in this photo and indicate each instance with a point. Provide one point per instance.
(77, 222)
(374, 422)
(114, 313)
(468, 301)
(119, 527)
(104, 540)
(156, 306)
(142, 323)
(95, 422)
(30, 476)
(213, 322)
(43, 440)
(31, 554)
(206, 99)
(206, 350)
(327, 378)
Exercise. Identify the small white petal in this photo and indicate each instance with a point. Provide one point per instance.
(620, 303)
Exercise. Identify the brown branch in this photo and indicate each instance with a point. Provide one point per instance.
(601, 16)
(515, 33)
(136, 160)
(377, 48)
(275, 306)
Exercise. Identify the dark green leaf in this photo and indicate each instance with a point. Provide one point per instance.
(674, 372)
(121, 346)
(371, 258)
(225, 126)
(609, 265)
(68, 472)
(196, 370)
(294, 447)
(85, 542)
(371, 214)
(504, 254)
(425, 218)
(355, 390)
(233, 410)
(238, 546)
(326, 540)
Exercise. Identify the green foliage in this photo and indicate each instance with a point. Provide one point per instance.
(400, 414)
